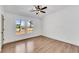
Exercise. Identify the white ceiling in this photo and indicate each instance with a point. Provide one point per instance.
(25, 10)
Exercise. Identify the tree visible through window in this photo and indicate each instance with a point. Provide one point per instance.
(23, 27)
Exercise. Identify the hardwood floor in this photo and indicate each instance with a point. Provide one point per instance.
(39, 44)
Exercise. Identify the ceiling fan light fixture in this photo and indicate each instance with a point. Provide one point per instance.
(39, 9)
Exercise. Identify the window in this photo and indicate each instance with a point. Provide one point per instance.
(23, 27)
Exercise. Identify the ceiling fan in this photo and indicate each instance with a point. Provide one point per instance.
(39, 9)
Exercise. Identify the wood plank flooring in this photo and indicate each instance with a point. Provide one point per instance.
(39, 44)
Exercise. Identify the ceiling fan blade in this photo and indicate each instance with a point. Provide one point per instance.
(36, 13)
(43, 8)
(38, 6)
(43, 11)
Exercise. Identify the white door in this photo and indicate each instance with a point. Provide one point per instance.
(0, 33)
(1, 30)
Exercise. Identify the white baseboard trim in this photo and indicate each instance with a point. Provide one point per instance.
(73, 43)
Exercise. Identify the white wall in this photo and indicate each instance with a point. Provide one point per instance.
(63, 25)
(10, 27)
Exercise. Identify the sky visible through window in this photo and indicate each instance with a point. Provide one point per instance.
(19, 21)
